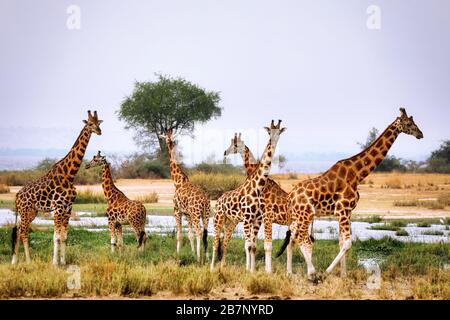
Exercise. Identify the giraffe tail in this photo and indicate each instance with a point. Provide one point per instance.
(219, 250)
(205, 218)
(142, 238)
(285, 243)
(14, 232)
(14, 238)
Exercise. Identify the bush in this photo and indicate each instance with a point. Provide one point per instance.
(89, 196)
(217, 184)
(401, 233)
(4, 188)
(392, 183)
(142, 166)
(152, 197)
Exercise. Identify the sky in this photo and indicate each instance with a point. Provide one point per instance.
(331, 70)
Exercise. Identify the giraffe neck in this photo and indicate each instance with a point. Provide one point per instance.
(70, 164)
(367, 160)
(109, 188)
(250, 163)
(262, 172)
(177, 174)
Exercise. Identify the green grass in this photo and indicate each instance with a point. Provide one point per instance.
(370, 219)
(401, 233)
(423, 224)
(384, 226)
(433, 233)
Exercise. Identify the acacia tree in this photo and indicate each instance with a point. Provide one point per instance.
(168, 103)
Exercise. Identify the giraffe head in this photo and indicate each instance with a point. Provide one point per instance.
(93, 123)
(97, 160)
(236, 146)
(407, 125)
(168, 135)
(275, 131)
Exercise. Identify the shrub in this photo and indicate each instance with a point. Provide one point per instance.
(401, 233)
(392, 183)
(151, 197)
(423, 224)
(4, 188)
(89, 196)
(216, 184)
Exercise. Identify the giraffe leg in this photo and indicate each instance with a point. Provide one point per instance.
(177, 214)
(218, 222)
(191, 236)
(228, 232)
(268, 242)
(63, 238)
(24, 232)
(16, 248)
(344, 235)
(56, 245)
(119, 237)
(247, 244)
(343, 262)
(256, 225)
(198, 235)
(302, 235)
(112, 232)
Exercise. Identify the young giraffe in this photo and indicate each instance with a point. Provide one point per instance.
(335, 192)
(275, 198)
(246, 203)
(120, 210)
(189, 200)
(53, 192)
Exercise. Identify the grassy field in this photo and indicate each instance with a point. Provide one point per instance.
(408, 271)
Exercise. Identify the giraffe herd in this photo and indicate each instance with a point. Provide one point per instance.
(258, 200)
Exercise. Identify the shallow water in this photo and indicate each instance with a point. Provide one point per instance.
(323, 229)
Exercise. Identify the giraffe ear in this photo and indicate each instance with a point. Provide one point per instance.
(267, 129)
(99, 121)
(283, 130)
(85, 121)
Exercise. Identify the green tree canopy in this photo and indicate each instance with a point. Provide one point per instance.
(439, 160)
(167, 103)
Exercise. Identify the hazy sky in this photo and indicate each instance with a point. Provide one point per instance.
(314, 64)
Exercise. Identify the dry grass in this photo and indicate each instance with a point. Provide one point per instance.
(4, 188)
(151, 197)
(89, 196)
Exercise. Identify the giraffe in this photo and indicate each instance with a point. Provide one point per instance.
(55, 191)
(275, 198)
(188, 200)
(245, 203)
(335, 192)
(120, 210)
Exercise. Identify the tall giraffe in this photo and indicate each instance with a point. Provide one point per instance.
(275, 198)
(245, 203)
(188, 200)
(335, 192)
(120, 210)
(55, 192)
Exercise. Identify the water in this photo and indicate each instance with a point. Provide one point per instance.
(323, 229)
